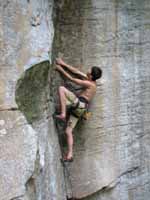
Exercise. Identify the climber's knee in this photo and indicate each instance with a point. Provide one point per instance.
(62, 88)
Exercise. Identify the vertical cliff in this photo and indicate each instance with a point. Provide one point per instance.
(111, 151)
(29, 150)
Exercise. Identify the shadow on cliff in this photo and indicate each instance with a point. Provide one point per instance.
(32, 91)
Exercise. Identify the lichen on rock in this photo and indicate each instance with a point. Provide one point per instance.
(31, 91)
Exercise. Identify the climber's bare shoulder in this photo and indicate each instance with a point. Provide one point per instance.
(89, 91)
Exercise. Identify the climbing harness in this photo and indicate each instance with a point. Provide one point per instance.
(80, 109)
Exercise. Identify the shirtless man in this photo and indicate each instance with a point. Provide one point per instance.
(69, 98)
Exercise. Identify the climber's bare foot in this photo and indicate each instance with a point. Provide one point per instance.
(68, 158)
(68, 155)
(61, 117)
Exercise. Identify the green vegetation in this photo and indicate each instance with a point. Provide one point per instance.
(31, 91)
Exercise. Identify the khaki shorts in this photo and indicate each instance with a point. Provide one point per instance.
(72, 99)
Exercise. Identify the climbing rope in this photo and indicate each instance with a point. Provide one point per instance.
(65, 167)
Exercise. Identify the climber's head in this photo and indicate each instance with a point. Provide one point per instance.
(94, 73)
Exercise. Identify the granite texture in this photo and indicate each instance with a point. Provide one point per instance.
(111, 159)
(30, 168)
(111, 150)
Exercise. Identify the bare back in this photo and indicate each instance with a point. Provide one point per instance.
(89, 92)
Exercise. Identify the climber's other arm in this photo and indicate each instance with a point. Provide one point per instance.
(59, 61)
(75, 80)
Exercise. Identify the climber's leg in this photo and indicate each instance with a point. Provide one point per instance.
(72, 121)
(62, 96)
(66, 97)
(69, 142)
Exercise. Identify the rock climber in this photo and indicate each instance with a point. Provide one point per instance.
(78, 103)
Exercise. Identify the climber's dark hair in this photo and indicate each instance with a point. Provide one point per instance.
(96, 73)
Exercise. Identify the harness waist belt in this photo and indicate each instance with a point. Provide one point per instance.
(83, 99)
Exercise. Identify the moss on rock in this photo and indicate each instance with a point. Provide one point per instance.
(31, 91)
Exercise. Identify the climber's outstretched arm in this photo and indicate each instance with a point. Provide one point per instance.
(84, 83)
(59, 61)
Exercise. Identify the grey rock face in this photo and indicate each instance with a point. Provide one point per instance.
(29, 150)
(112, 148)
(18, 151)
(111, 151)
